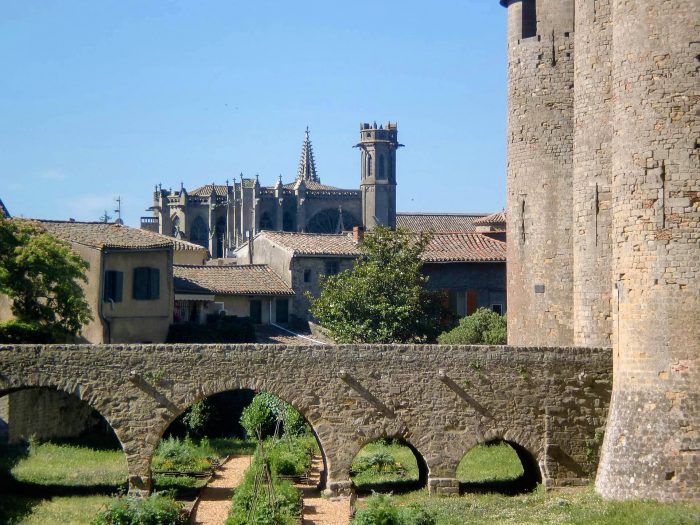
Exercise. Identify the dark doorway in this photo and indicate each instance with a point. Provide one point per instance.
(282, 310)
(256, 311)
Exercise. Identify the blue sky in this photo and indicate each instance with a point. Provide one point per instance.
(104, 98)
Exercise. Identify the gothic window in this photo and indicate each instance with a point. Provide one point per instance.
(220, 236)
(380, 168)
(369, 165)
(176, 225)
(529, 22)
(327, 221)
(288, 222)
(199, 233)
(266, 222)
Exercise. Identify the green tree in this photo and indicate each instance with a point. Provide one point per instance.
(40, 274)
(382, 299)
(483, 327)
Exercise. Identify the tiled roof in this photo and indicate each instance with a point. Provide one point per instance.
(492, 220)
(313, 243)
(256, 279)
(464, 247)
(103, 234)
(221, 190)
(313, 185)
(181, 245)
(438, 222)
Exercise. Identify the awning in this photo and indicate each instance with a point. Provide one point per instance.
(193, 297)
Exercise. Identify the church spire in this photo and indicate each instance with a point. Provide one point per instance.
(307, 165)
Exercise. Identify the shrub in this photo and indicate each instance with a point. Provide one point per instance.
(381, 461)
(17, 332)
(158, 509)
(258, 419)
(381, 510)
(482, 327)
(180, 455)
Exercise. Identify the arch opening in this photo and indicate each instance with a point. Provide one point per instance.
(211, 428)
(388, 465)
(499, 466)
(56, 445)
(328, 220)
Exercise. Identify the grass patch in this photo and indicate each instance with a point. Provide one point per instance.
(384, 466)
(497, 462)
(64, 510)
(575, 507)
(70, 466)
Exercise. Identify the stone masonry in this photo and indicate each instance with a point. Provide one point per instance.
(550, 403)
(539, 200)
(604, 217)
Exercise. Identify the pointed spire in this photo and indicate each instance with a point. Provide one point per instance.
(307, 164)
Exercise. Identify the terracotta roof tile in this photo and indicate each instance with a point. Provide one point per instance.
(313, 243)
(257, 279)
(494, 219)
(103, 235)
(438, 222)
(464, 247)
(221, 190)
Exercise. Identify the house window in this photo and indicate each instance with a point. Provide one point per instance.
(332, 267)
(498, 308)
(146, 283)
(114, 282)
(307, 275)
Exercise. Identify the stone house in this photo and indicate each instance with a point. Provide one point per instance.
(129, 281)
(469, 270)
(253, 291)
(300, 259)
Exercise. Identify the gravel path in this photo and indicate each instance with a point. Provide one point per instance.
(215, 499)
(319, 510)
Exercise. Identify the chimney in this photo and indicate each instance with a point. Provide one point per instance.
(358, 234)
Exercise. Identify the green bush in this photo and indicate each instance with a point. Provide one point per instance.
(483, 327)
(17, 332)
(380, 461)
(290, 456)
(381, 510)
(158, 509)
(180, 455)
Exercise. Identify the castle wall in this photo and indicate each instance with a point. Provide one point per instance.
(592, 278)
(652, 445)
(540, 166)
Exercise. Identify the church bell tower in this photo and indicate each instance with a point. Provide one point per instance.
(378, 147)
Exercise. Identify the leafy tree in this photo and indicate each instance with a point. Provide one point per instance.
(483, 327)
(40, 274)
(382, 299)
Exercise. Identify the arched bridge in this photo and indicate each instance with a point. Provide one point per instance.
(442, 400)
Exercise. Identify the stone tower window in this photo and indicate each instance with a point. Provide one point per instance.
(380, 168)
(529, 8)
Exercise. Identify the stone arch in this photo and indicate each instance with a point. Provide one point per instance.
(423, 469)
(285, 392)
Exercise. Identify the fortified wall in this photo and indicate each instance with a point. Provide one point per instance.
(604, 217)
(550, 404)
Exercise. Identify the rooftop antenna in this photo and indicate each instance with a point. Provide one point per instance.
(118, 210)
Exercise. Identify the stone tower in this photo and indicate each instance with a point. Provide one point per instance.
(652, 442)
(593, 130)
(613, 143)
(378, 174)
(540, 160)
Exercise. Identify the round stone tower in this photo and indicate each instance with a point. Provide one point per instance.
(652, 442)
(592, 249)
(540, 167)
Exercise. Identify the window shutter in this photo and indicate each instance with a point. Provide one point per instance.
(154, 288)
(141, 283)
(118, 286)
(107, 286)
